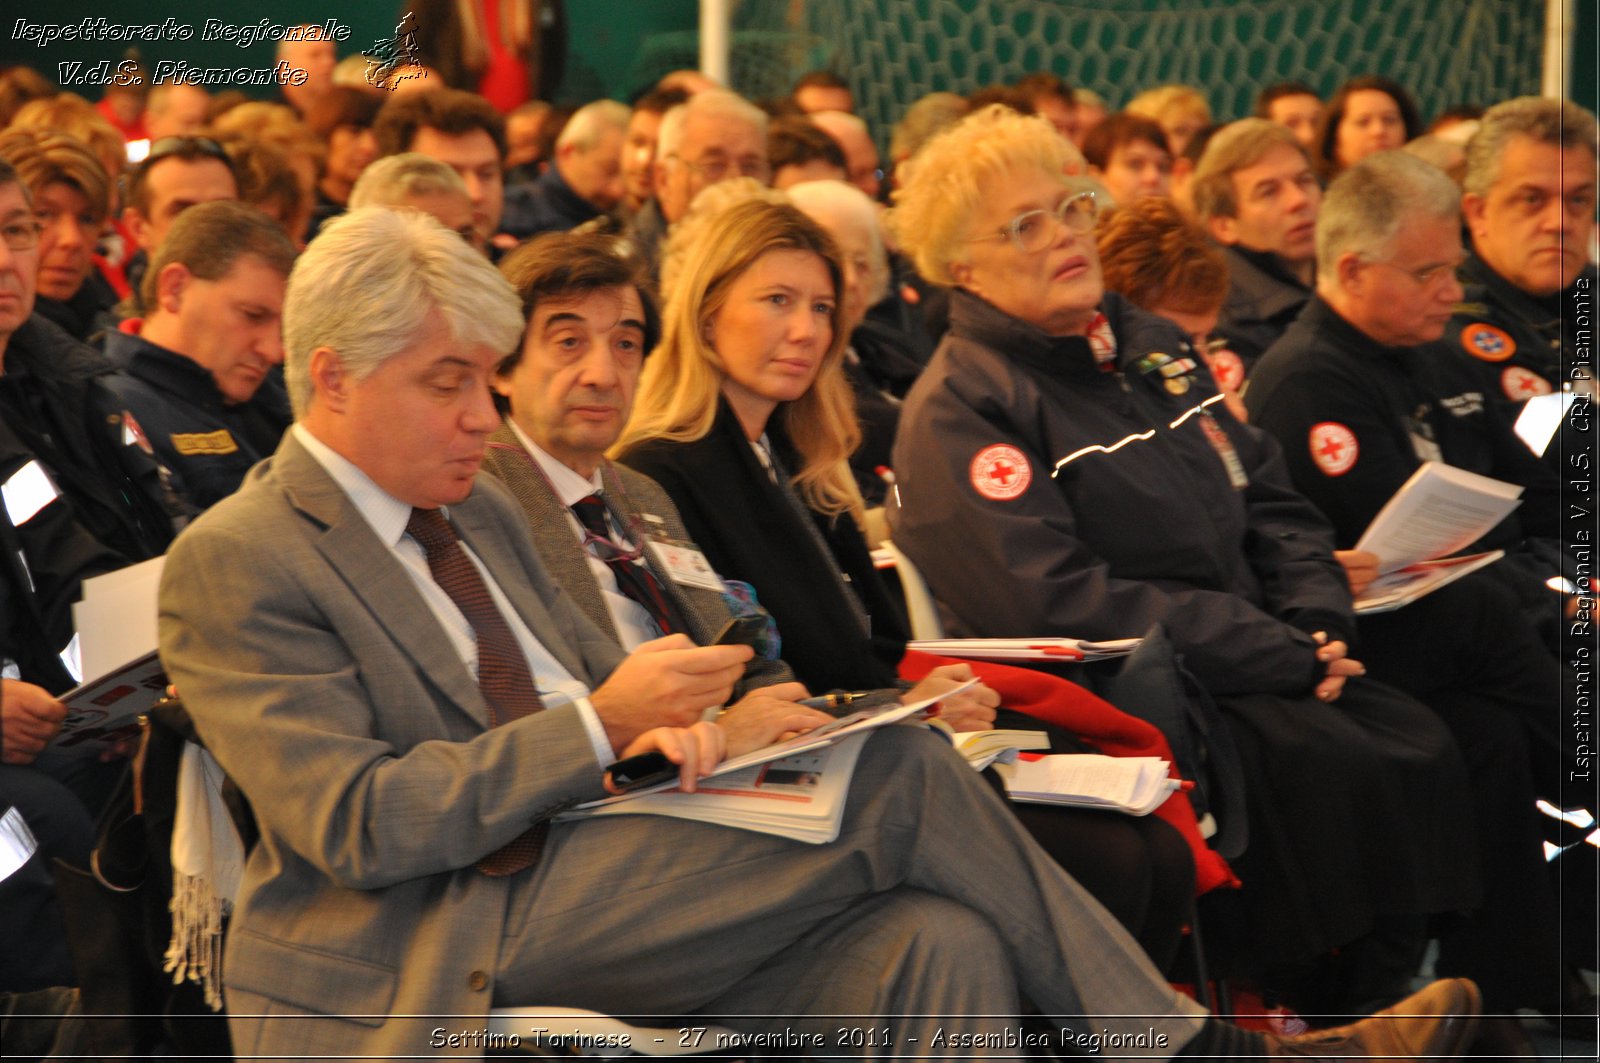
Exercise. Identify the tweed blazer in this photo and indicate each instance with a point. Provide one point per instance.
(639, 504)
(324, 685)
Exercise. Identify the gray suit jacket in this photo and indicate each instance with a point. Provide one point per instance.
(319, 678)
(637, 502)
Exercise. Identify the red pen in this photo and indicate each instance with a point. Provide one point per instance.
(1070, 652)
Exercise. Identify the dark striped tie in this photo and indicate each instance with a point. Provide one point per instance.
(633, 579)
(503, 674)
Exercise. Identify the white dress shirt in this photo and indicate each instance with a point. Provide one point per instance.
(633, 621)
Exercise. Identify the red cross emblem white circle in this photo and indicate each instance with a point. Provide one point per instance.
(1000, 472)
(1227, 369)
(1333, 448)
(1520, 383)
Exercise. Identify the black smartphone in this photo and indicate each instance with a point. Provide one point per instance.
(742, 631)
(640, 771)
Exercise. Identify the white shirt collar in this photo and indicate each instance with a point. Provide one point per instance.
(570, 486)
(386, 514)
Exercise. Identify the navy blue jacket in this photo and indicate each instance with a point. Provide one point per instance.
(1162, 507)
(208, 444)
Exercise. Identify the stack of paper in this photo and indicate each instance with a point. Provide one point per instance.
(800, 797)
(1135, 785)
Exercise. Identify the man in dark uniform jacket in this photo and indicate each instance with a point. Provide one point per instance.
(198, 372)
(1256, 192)
(585, 178)
(1529, 204)
(1359, 392)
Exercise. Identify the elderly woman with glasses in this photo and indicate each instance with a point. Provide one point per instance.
(1067, 466)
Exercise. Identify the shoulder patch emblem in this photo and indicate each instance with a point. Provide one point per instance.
(1487, 342)
(1333, 448)
(191, 444)
(1228, 368)
(1000, 472)
(1520, 383)
(133, 435)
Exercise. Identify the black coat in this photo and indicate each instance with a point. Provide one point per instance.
(45, 555)
(1263, 301)
(813, 574)
(54, 398)
(1398, 404)
(1151, 531)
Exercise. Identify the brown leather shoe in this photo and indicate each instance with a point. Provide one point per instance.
(1436, 1022)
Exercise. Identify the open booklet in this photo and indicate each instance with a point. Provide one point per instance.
(116, 626)
(795, 788)
(1036, 649)
(1403, 586)
(1438, 511)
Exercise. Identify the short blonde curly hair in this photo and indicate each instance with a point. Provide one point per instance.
(944, 188)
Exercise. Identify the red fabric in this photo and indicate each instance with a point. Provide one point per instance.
(135, 131)
(1067, 705)
(504, 81)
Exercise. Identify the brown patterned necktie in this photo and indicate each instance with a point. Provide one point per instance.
(503, 674)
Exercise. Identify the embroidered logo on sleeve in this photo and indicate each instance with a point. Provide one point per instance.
(1484, 341)
(1520, 383)
(190, 444)
(1333, 448)
(1228, 370)
(1000, 472)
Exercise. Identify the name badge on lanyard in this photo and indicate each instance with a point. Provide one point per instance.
(1225, 450)
(685, 564)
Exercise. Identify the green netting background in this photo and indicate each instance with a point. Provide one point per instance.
(893, 51)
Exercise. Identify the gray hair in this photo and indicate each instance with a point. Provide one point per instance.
(718, 104)
(838, 199)
(1364, 207)
(396, 180)
(584, 129)
(368, 283)
(932, 114)
(1558, 122)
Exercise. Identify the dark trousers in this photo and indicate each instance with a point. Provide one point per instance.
(1467, 653)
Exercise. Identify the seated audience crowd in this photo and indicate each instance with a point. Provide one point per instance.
(471, 426)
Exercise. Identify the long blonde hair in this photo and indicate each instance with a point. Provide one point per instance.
(682, 380)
